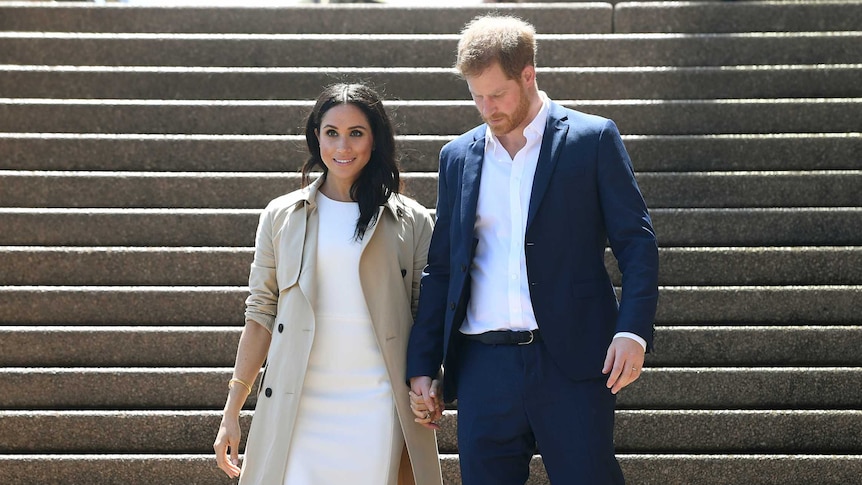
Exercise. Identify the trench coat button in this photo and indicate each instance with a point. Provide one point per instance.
(280, 327)
(403, 273)
(268, 392)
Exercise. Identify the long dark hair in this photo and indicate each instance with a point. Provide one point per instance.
(380, 178)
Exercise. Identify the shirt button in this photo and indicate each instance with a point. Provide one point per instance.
(268, 392)
(280, 328)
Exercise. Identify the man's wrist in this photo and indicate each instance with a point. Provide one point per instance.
(635, 337)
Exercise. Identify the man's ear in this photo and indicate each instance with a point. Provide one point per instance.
(528, 75)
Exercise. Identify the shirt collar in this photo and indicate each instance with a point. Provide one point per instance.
(535, 129)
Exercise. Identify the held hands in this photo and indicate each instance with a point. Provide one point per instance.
(228, 439)
(425, 401)
(624, 362)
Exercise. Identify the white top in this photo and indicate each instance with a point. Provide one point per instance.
(338, 254)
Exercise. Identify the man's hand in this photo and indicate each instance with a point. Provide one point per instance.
(425, 401)
(624, 362)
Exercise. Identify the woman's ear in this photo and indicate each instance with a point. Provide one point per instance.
(317, 134)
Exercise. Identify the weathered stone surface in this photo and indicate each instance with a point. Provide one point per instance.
(215, 346)
(755, 305)
(640, 469)
(841, 81)
(200, 305)
(764, 266)
(830, 432)
(756, 346)
(396, 50)
(84, 388)
(254, 191)
(163, 347)
(129, 227)
(641, 117)
(356, 18)
(236, 227)
(691, 17)
(219, 266)
(755, 375)
(718, 152)
(122, 305)
(287, 153)
(169, 190)
(758, 227)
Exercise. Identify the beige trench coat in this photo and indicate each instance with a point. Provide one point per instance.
(281, 282)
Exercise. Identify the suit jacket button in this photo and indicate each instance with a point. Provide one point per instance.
(403, 273)
(451, 306)
(268, 392)
(280, 327)
(463, 268)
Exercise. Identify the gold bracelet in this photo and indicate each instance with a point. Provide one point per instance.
(245, 384)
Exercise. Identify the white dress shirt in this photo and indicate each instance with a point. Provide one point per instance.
(499, 292)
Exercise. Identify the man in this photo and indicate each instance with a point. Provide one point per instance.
(516, 303)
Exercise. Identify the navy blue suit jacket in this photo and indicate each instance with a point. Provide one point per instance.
(584, 195)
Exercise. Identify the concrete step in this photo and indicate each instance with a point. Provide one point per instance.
(295, 19)
(129, 227)
(807, 81)
(639, 468)
(756, 346)
(169, 189)
(236, 227)
(672, 431)
(157, 346)
(696, 17)
(253, 190)
(421, 50)
(753, 266)
(776, 388)
(641, 117)
(189, 346)
(224, 305)
(282, 153)
(166, 266)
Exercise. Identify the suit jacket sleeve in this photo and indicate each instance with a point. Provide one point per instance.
(631, 235)
(425, 347)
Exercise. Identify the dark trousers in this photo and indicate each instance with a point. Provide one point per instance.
(513, 399)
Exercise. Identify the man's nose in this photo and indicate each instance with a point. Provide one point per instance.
(488, 109)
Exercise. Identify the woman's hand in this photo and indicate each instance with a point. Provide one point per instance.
(226, 440)
(427, 405)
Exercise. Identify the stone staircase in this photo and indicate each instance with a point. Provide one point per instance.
(137, 145)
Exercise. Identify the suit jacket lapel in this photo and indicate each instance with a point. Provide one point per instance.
(552, 144)
(470, 183)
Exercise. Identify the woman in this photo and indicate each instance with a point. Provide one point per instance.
(334, 286)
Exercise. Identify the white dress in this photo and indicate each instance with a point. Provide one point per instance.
(346, 430)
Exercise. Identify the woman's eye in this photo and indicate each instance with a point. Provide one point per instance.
(331, 133)
(356, 133)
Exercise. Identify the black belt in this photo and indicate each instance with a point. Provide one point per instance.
(506, 337)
